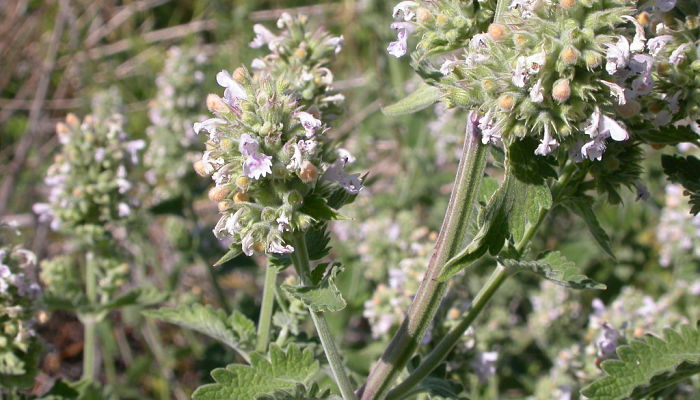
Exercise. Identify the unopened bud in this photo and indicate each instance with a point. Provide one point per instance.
(223, 206)
(240, 75)
(629, 109)
(497, 32)
(423, 15)
(216, 104)
(442, 19)
(240, 197)
(592, 60)
(643, 18)
(89, 120)
(200, 168)
(520, 39)
(658, 146)
(300, 53)
(226, 144)
(453, 313)
(62, 128)
(259, 247)
(561, 90)
(569, 55)
(663, 67)
(567, 3)
(242, 182)
(488, 84)
(218, 193)
(308, 172)
(506, 102)
(72, 120)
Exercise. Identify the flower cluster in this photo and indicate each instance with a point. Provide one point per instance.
(440, 26)
(88, 181)
(301, 57)
(177, 105)
(543, 74)
(18, 299)
(273, 163)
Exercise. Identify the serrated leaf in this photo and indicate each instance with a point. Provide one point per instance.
(18, 371)
(282, 371)
(236, 330)
(685, 171)
(583, 209)
(230, 255)
(514, 207)
(317, 207)
(649, 365)
(144, 297)
(556, 268)
(322, 297)
(81, 390)
(422, 98)
(301, 392)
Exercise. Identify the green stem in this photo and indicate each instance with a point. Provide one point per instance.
(89, 320)
(300, 257)
(498, 276)
(268, 303)
(403, 345)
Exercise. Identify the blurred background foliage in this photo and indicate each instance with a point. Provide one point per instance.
(56, 55)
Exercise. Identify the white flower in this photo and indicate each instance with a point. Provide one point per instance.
(405, 10)
(124, 210)
(284, 19)
(309, 122)
(548, 144)
(485, 365)
(133, 147)
(346, 156)
(400, 46)
(336, 98)
(263, 36)
(257, 164)
(247, 244)
(678, 55)
(257, 63)
(277, 247)
(617, 91)
(337, 42)
(618, 55)
(234, 91)
(350, 182)
(448, 66)
(638, 43)
(490, 131)
(600, 127)
(283, 223)
(537, 92)
(208, 125)
(657, 44)
(665, 5)
(594, 149)
(535, 62)
(520, 74)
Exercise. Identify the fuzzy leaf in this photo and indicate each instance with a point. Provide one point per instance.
(18, 370)
(556, 268)
(649, 365)
(282, 371)
(81, 390)
(144, 297)
(236, 330)
(301, 392)
(685, 171)
(325, 296)
(422, 98)
(583, 209)
(317, 207)
(232, 253)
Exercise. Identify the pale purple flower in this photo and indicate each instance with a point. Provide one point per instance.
(100, 154)
(337, 42)
(520, 74)
(608, 341)
(123, 210)
(257, 63)
(594, 149)
(309, 122)
(548, 144)
(490, 131)
(208, 125)
(657, 44)
(263, 36)
(350, 182)
(257, 164)
(405, 10)
(448, 66)
(283, 223)
(665, 5)
(336, 98)
(537, 92)
(618, 55)
(234, 92)
(638, 43)
(678, 55)
(276, 246)
(601, 127)
(617, 91)
(247, 244)
(485, 365)
(400, 46)
(133, 147)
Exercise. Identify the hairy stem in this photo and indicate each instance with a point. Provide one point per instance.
(300, 257)
(470, 173)
(89, 321)
(268, 303)
(498, 276)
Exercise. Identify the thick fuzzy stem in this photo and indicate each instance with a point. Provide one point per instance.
(430, 293)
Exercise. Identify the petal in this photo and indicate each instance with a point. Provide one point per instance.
(617, 131)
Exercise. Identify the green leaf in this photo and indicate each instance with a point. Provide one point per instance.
(556, 268)
(144, 297)
(232, 253)
(324, 296)
(649, 365)
(301, 392)
(515, 207)
(685, 171)
(236, 330)
(282, 371)
(81, 390)
(423, 97)
(18, 369)
(583, 209)
(317, 207)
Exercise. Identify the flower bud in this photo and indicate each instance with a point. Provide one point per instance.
(506, 102)
(568, 4)
(218, 193)
(240, 75)
(89, 120)
(259, 247)
(442, 19)
(520, 39)
(62, 128)
(569, 55)
(561, 90)
(658, 146)
(300, 53)
(423, 15)
(216, 104)
(308, 172)
(72, 120)
(242, 182)
(294, 198)
(497, 32)
(226, 145)
(629, 109)
(643, 18)
(223, 205)
(240, 197)
(592, 59)
(663, 67)
(200, 168)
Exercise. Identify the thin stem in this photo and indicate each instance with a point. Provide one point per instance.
(300, 257)
(498, 276)
(403, 345)
(268, 303)
(89, 319)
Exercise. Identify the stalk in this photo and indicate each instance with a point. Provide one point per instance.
(403, 345)
(498, 276)
(89, 319)
(300, 257)
(268, 303)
